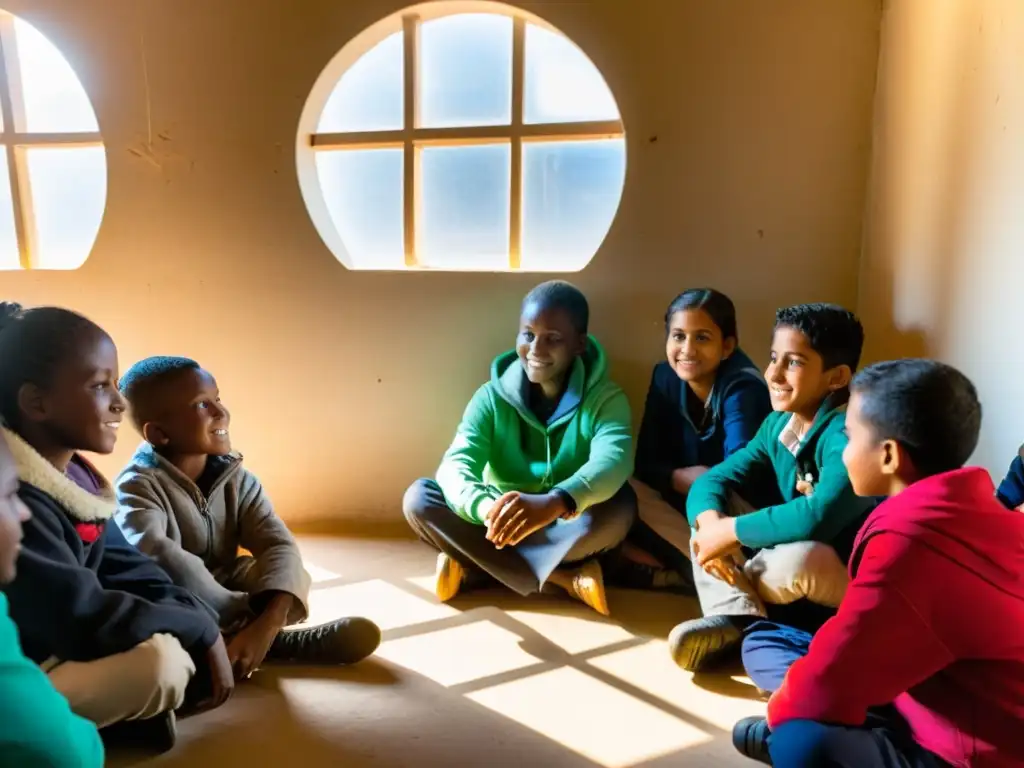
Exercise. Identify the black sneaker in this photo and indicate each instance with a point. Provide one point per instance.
(155, 734)
(700, 644)
(750, 737)
(344, 641)
(623, 572)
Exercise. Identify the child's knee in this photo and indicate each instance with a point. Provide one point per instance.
(804, 569)
(417, 501)
(162, 673)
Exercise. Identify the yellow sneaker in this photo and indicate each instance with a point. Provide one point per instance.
(588, 587)
(447, 578)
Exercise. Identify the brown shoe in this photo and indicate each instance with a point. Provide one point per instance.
(588, 587)
(448, 577)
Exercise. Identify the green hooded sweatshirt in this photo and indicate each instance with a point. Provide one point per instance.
(585, 448)
(37, 727)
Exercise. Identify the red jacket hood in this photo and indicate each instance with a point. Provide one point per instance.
(957, 515)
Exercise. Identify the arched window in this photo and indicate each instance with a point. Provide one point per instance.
(462, 136)
(53, 171)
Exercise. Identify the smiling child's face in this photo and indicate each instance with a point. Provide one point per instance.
(797, 380)
(190, 417)
(81, 410)
(547, 344)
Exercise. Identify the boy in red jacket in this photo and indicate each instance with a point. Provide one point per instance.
(923, 665)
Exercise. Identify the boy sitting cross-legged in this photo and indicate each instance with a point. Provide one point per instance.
(785, 496)
(923, 665)
(186, 501)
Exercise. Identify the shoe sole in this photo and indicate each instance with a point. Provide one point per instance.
(448, 578)
(698, 651)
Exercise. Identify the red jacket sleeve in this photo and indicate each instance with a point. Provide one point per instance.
(879, 644)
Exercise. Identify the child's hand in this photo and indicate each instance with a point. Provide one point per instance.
(723, 568)
(516, 515)
(805, 485)
(222, 682)
(714, 538)
(247, 650)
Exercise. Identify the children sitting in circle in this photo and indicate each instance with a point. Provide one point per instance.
(133, 607)
(705, 402)
(534, 486)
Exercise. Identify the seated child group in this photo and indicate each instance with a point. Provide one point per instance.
(871, 585)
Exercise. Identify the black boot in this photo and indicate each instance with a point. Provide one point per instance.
(750, 737)
(155, 734)
(700, 644)
(344, 641)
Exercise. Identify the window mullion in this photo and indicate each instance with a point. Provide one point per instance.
(12, 109)
(410, 153)
(515, 213)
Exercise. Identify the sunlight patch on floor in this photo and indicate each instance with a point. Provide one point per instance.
(460, 654)
(590, 717)
(426, 583)
(650, 668)
(389, 606)
(575, 633)
(318, 574)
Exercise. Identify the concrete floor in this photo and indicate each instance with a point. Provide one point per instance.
(489, 679)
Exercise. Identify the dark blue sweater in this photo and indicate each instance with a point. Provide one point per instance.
(1011, 491)
(78, 600)
(668, 437)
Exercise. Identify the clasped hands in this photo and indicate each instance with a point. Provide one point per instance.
(715, 545)
(515, 515)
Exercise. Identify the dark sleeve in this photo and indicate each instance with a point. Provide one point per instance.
(745, 408)
(654, 445)
(79, 615)
(1011, 490)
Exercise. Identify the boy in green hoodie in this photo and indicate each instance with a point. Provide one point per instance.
(785, 499)
(37, 726)
(534, 486)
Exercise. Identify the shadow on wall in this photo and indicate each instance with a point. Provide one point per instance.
(924, 148)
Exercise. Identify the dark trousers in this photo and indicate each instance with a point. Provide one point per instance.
(884, 741)
(525, 567)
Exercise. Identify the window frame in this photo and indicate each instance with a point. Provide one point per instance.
(17, 142)
(411, 138)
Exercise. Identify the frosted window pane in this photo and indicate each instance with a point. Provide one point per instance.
(369, 95)
(464, 220)
(9, 258)
(562, 85)
(363, 192)
(55, 100)
(571, 192)
(466, 71)
(69, 193)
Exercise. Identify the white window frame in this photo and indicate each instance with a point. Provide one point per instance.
(16, 142)
(412, 138)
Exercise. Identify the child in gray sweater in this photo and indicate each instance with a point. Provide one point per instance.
(186, 500)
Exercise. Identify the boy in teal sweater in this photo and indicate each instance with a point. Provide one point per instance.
(785, 499)
(534, 486)
(37, 726)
